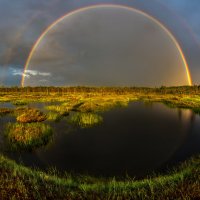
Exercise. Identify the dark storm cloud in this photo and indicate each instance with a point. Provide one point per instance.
(22, 21)
(189, 14)
(188, 10)
(111, 46)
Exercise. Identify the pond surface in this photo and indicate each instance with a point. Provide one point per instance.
(136, 140)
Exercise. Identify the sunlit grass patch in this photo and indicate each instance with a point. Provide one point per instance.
(27, 136)
(54, 116)
(31, 115)
(62, 110)
(20, 110)
(100, 105)
(85, 120)
(57, 108)
(182, 102)
(95, 103)
(72, 104)
(20, 102)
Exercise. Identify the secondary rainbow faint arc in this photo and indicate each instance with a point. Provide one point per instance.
(112, 6)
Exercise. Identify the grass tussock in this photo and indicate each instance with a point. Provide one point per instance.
(31, 115)
(62, 110)
(85, 120)
(27, 136)
(54, 116)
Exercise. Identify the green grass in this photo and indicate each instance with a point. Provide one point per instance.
(54, 116)
(85, 120)
(27, 136)
(20, 102)
(56, 108)
(31, 115)
(100, 105)
(62, 110)
(24, 183)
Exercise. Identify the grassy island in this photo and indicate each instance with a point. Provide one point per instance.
(27, 136)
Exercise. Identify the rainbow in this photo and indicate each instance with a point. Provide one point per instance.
(41, 37)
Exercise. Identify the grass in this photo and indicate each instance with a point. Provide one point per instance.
(24, 183)
(20, 102)
(85, 120)
(29, 115)
(56, 108)
(62, 110)
(94, 103)
(27, 136)
(97, 105)
(4, 111)
(54, 116)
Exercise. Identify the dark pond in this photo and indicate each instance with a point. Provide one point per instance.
(135, 140)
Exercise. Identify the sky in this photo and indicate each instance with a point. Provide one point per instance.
(104, 57)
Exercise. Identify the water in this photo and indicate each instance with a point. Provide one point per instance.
(136, 140)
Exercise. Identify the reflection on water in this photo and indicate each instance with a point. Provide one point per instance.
(6, 105)
(135, 140)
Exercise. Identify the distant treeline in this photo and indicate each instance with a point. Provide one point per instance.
(116, 90)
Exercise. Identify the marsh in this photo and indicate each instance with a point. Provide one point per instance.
(135, 140)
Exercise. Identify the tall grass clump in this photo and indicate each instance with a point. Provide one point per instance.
(27, 136)
(85, 120)
(54, 116)
(31, 115)
(62, 110)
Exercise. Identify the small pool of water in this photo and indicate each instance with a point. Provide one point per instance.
(136, 140)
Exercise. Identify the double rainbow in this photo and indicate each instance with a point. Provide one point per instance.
(106, 5)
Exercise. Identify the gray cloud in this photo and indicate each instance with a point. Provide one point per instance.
(22, 21)
(111, 46)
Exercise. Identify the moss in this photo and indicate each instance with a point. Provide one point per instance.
(27, 136)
